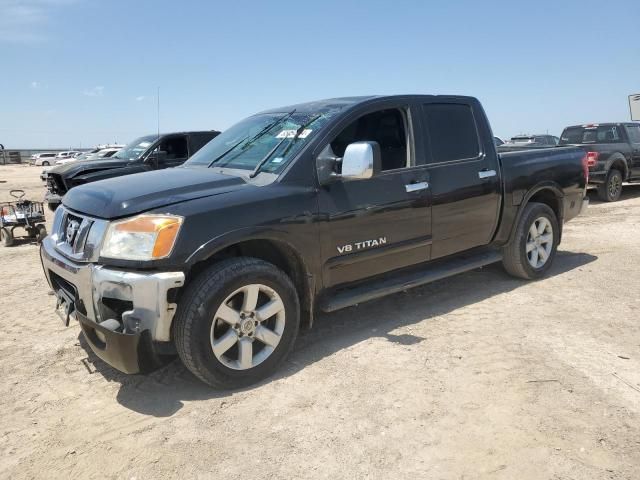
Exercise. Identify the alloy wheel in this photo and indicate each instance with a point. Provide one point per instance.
(539, 242)
(247, 327)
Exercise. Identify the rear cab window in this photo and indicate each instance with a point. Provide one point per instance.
(452, 132)
(591, 134)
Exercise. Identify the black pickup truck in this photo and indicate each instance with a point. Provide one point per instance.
(152, 152)
(613, 154)
(312, 207)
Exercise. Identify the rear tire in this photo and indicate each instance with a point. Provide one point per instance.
(532, 249)
(45, 164)
(214, 329)
(611, 189)
(6, 236)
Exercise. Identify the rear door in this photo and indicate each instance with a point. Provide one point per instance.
(633, 132)
(383, 223)
(464, 172)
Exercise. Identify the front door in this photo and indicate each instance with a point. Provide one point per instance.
(465, 176)
(633, 132)
(383, 223)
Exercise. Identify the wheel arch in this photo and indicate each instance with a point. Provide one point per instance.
(548, 194)
(270, 248)
(619, 162)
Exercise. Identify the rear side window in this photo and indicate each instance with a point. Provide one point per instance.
(634, 133)
(452, 132)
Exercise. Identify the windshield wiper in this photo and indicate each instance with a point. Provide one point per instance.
(264, 130)
(226, 152)
(266, 158)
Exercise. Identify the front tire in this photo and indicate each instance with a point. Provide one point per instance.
(532, 249)
(53, 206)
(611, 189)
(237, 322)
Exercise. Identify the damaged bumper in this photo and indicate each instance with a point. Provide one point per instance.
(122, 314)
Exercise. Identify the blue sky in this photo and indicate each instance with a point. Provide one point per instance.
(82, 72)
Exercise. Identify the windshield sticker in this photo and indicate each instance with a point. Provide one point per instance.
(277, 160)
(292, 133)
(144, 144)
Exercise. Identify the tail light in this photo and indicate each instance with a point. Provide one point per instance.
(585, 168)
(592, 159)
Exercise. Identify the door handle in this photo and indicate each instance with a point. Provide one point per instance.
(416, 187)
(486, 173)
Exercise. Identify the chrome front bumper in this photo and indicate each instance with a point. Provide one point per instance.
(91, 284)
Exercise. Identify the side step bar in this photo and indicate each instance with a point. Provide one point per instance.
(404, 281)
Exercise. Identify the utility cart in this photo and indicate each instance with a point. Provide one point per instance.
(21, 214)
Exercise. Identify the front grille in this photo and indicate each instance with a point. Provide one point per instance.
(77, 236)
(55, 184)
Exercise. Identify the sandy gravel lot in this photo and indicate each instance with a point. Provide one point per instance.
(478, 376)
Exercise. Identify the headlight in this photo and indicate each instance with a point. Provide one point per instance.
(145, 237)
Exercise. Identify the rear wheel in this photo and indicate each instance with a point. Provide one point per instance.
(6, 236)
(611, 189)
(45, 164)
(531, 251)
(237, 322)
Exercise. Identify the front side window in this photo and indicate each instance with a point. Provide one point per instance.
(387, 128)
(175, 148)
(452, 132)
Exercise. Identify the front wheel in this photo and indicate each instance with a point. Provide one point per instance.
(611, 189)
(53, 206)
(237, 322)
(532, 249)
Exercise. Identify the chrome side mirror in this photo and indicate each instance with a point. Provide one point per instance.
(361, 160)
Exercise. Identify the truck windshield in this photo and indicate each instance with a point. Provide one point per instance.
(590, 134)
(269, 137)
(135, 149)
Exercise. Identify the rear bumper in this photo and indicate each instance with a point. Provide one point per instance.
(144, 312)
(597, 178)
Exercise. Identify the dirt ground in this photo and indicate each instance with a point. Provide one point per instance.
(477, 376)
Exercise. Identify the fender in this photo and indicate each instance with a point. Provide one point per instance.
(547, 185)
(615, 157)
(227, 239)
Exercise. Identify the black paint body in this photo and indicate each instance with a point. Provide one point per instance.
(309, 221)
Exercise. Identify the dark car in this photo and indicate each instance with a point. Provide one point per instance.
(151, 152)
(613, 154)
(310, 207)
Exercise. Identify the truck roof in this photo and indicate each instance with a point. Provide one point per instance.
(348, 102)
(604, 124)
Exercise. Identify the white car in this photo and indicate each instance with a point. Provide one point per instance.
(43, 159)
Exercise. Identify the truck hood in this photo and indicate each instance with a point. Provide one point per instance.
(131, 194)
(72, 169)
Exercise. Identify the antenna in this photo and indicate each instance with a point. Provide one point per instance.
(158, 99)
